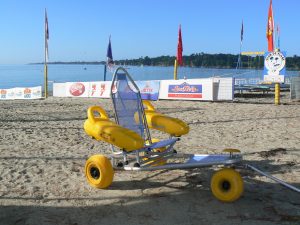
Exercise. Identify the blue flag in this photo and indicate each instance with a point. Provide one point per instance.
(110, 61)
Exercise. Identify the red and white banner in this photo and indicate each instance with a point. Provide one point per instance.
(77, 89)
(100, 89)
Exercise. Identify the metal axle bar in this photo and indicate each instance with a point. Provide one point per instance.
(273, 178)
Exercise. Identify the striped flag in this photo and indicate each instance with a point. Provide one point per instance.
(110, 61)
(179, 48)
(46, 36)
(270, 28)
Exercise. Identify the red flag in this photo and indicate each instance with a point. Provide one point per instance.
(179, 48)
(270, 28)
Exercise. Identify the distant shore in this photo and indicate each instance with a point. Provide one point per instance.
(103, 63)
(202, 60)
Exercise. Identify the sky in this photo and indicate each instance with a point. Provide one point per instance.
(79, 29)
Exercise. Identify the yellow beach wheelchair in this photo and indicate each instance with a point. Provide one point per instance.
(138, 151)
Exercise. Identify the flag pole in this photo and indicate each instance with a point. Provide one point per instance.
(275, 39)
(238, 66)
(105, 69)
(45, 62)
(175, 69)
(46, 80)
(239, 63)
(278, 37)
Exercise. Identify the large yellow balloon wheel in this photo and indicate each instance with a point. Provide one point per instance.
(99, 171)
(227, 185)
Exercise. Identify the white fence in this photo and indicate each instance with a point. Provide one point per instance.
(208, 89)
(295, 88)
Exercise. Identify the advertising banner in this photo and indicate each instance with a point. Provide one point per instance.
(10, 93)
(7, 94)
(185, 90)
(100, 89)
(33, 92)
(59, 89)
(191, 89)
(274, 67)
(21, 93)
(149, 89)
(3, 93)
(206, 89)
(18, 93)
(223, 88)
(77, 89)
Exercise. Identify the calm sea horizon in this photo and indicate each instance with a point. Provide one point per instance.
(33, 75)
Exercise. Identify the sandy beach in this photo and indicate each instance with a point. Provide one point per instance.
(44, 147)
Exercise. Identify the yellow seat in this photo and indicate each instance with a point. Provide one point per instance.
(158, 121)
(101, 128)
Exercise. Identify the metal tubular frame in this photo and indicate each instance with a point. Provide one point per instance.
(147, 158)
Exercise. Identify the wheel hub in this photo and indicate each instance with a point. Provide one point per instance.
(95, 173)
(225, 185)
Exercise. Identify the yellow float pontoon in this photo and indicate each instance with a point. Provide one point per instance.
(155, 120)
(101, 128)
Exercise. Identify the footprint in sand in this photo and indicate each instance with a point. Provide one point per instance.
(27, 179)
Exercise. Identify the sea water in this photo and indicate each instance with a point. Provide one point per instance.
(33, 75)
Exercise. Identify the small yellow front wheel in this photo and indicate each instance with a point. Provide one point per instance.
(99, 171)
(227, 185)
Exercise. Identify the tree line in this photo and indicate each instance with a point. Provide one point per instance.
(210, 61)
(199, 60)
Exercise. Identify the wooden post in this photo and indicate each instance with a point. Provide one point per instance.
(277, 94)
